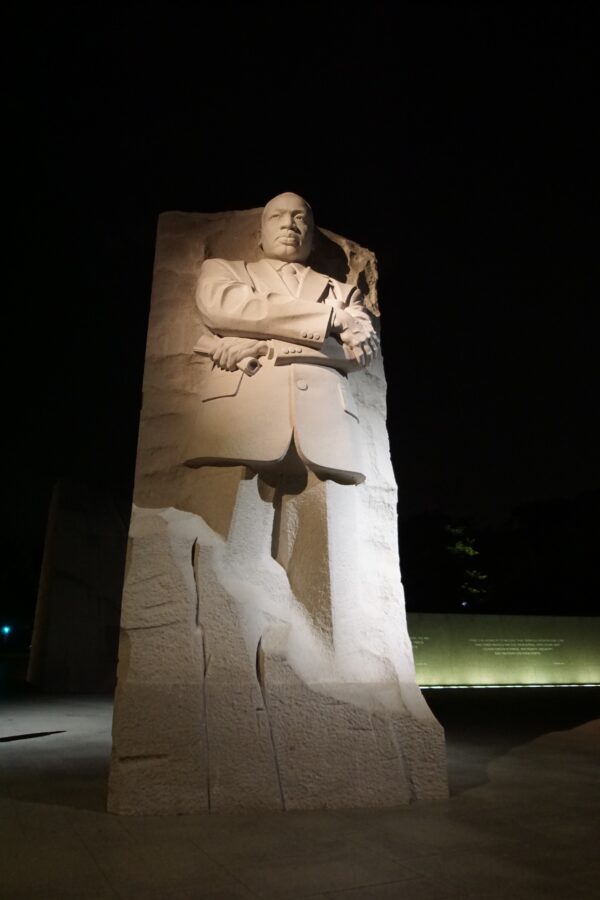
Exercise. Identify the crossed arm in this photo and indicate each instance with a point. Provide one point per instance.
(355, 330)
(244, 319)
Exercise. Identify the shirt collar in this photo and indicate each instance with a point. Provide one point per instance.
(278, 264)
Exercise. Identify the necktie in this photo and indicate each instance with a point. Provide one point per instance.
(291, 275)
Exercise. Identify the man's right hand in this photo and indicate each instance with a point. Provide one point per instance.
(232, 350)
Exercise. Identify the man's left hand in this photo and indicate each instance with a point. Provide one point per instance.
(361, 340)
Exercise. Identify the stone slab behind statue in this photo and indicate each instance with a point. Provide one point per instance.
(233, 693)
(75, 635)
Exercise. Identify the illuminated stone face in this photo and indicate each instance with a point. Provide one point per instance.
(287, 228)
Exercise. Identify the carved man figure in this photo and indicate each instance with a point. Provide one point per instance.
(265, 661)
(307, 331)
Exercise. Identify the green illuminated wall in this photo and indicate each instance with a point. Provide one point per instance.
(463, 649)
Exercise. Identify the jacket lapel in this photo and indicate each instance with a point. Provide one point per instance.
(314, 284)
(342, 290)
(265, 279)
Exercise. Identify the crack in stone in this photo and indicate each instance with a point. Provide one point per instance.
(266, 711)
(404, 763)
(205, 665)
(194, 575)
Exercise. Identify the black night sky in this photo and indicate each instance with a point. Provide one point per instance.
(458, 144)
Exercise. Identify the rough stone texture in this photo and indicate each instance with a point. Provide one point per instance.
(251, 675)
(79, 593)
(162, 761)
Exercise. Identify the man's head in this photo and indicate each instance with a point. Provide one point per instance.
(287, 228)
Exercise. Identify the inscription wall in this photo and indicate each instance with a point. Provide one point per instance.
(486, 650)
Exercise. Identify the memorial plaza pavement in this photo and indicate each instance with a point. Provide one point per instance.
(522, 819)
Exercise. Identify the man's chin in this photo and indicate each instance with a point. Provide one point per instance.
(288, 254)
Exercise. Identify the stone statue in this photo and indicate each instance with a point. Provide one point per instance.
(308, 331)
(264, 660)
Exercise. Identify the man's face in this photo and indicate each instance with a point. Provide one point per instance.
(287, 228)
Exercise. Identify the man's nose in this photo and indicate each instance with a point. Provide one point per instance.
(289, 222)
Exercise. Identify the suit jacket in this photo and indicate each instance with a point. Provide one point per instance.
(301, 388)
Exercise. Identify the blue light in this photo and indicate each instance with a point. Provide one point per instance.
(6, 630)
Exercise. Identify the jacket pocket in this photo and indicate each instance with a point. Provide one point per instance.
(348, 401)
(221, 383)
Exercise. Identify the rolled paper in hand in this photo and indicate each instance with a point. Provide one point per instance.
(208, 343)
(249, 366)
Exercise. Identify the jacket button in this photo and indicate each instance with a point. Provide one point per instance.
(317, 337)
(286, 351)
(301, 385)
(304, 334)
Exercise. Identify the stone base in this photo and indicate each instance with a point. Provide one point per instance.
(213, 711)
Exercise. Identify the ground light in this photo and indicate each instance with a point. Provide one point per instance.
(6, 630)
